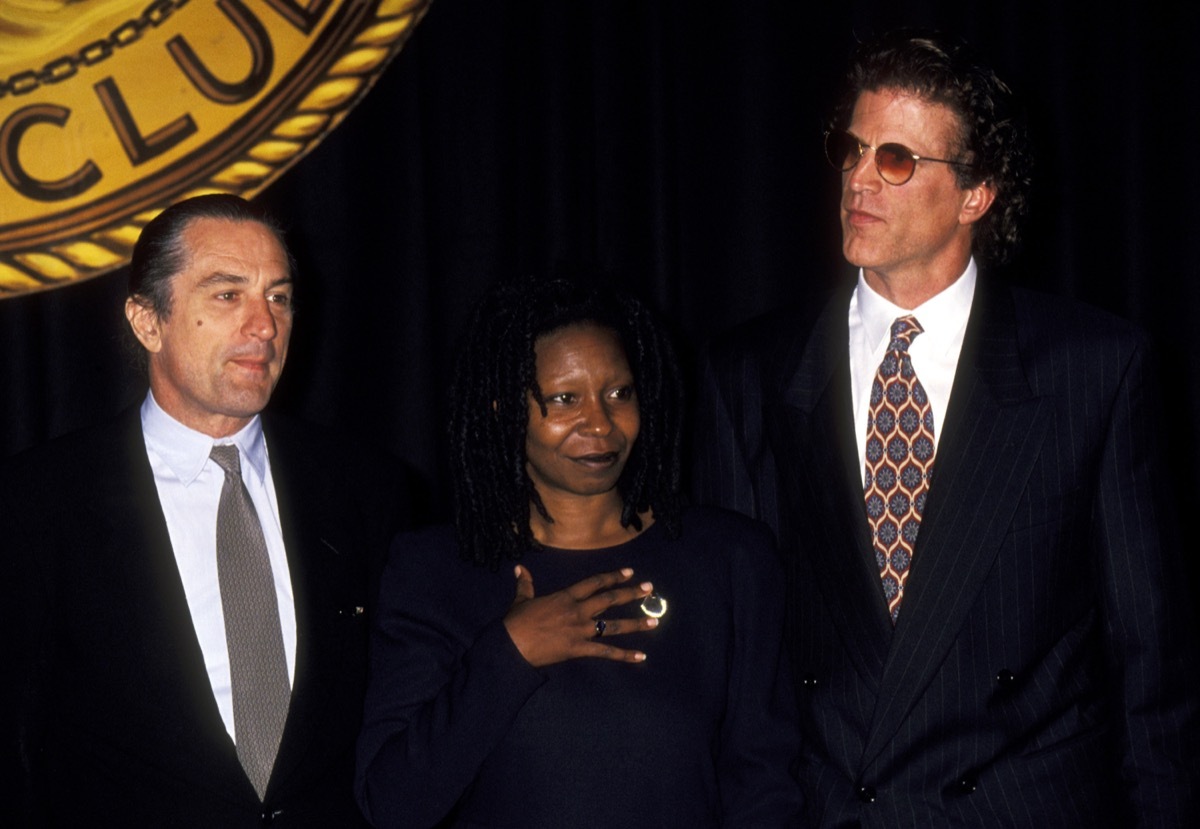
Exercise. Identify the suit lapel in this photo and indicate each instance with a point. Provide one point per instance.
(816, 424)
(992, 435)
(184, 712)
(303, 510)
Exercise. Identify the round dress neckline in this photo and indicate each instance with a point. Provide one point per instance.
(578, 551)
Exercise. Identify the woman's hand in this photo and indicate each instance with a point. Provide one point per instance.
(562, 625)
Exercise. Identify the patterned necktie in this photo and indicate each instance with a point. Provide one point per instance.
(899, 461)
(257, 664)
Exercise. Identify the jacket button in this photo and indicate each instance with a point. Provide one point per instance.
(1005, 677)
(967, 785)
(866, 794)
(808, 681)
(268, 818)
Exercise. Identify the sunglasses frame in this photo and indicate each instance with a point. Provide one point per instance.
(888, 146)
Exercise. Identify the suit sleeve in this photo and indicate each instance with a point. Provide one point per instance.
(24, 617)
(1149, 626)
(442, 693)
(760, 736)
(729, 439)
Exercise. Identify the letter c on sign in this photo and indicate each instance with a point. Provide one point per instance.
(11, 134)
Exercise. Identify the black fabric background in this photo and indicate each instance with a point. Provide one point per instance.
(675, 147)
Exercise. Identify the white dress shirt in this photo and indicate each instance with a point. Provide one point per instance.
(934, 351)
(189, 488)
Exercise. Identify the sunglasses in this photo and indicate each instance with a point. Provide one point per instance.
(896, 163)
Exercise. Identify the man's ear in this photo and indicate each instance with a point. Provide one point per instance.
(978, 200)
(145, 322)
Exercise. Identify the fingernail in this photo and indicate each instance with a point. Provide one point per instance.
(517, 571)
(652, 623)
(648, 587)
(641, 657)
(626, 571)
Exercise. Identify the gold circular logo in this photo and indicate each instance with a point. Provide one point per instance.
(112, 109)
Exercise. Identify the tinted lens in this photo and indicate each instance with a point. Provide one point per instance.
(841, 148)
(895, 162)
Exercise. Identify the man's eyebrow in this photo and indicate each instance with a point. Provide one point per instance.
(220, 278)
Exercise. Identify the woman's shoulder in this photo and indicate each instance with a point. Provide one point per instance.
(426, 576)
(721, 538)
(428, 547)
(437, 536)
(722, 554)
(432, 555)
(723, 526)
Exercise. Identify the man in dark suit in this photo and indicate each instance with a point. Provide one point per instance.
(986, 614)
(193, 580)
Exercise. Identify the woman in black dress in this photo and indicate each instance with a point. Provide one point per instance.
(627, 670)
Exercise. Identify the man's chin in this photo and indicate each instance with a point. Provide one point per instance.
(859, 253)
(246, 402)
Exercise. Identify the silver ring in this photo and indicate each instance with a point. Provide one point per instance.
(601, 625)
(654, 606)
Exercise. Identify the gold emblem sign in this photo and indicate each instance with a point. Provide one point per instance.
(112, 109)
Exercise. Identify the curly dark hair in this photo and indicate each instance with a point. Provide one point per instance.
(489, 416)
(942, 69)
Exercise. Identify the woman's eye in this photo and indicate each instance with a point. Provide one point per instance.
(623, 393)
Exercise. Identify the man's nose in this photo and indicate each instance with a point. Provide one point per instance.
(864, 176)
(260, 321)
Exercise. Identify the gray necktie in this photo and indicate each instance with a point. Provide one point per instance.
(257, 665)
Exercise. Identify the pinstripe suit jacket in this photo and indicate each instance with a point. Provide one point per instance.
(1040, 671)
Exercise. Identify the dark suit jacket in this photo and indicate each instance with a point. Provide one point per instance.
(1039, 673)
(117, 724)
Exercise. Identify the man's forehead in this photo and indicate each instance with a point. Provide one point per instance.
(212, 230)
(916, 108)
(250, 243)
(917, 98)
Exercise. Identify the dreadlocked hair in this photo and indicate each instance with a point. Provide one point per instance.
(494, 377)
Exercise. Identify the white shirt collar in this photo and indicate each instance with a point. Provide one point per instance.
(941, 316)
(185, 451)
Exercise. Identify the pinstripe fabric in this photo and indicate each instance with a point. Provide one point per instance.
(1040, 674)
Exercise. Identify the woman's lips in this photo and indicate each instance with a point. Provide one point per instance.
(598, 459)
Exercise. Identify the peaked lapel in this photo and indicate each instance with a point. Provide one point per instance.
(183, 714)
(992, 436)
(815, 425)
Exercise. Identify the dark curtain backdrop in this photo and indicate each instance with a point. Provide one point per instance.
(674, 147)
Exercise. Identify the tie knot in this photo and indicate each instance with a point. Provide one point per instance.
(904, 330)
(227, 458)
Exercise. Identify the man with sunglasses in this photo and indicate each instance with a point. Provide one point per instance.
(987, 619)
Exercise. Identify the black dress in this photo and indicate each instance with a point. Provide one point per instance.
(702, 734)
